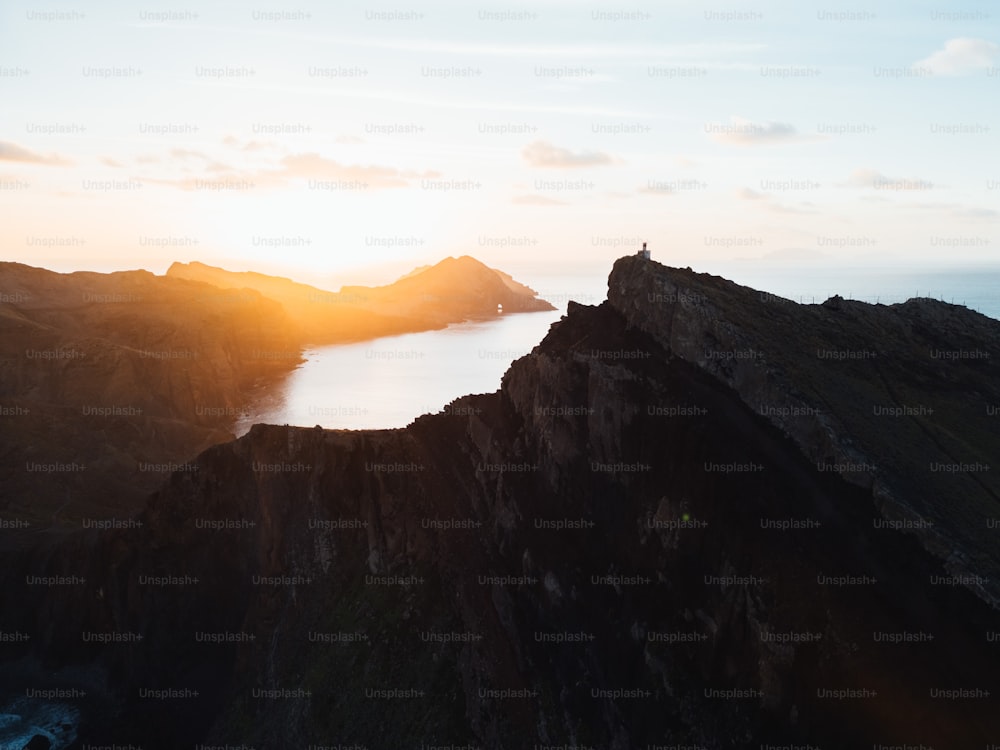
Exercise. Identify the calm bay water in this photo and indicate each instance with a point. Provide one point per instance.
(388, 382)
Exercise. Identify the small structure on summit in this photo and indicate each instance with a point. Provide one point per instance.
(644, 253)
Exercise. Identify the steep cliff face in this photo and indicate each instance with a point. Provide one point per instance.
(901, 400)
(619, 548)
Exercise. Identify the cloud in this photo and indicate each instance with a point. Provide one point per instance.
(109, 162)
(234, 142)
(961, 56)
(183, 153)
(872, 178)
(218, 167)
(349, 139)
(537, 200)
(544, 155)
(957, 210)
(805, 207)
(261, 146)
(209, 165)
(984, 214)
(695, 51)
(308, 166)
(12, 152)
(743, 132)
(314, 166)
(768, 203)
(653, 188)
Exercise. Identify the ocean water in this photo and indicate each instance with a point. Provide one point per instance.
(978, 289)
(388, 382)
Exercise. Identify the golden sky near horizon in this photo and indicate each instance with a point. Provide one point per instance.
(358, 142)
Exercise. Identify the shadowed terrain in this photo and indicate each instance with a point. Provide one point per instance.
(680, 521)
(105, 379)
(110, 381)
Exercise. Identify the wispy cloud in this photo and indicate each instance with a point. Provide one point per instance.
(654, 188)
(314, 166)
(977, 214)
(537, 200)
(742, 132)
(544, 155)
(961, 56)
(295, 167)
(185, 154)
(12, 152)
(957, 210)
(253, 145)
(805, 207)
(410, 99)
(690, 52)
(871, 178)
(768, 203)
(471, 47)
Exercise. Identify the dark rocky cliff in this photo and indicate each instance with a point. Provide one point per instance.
(636, 541)
(902, 400)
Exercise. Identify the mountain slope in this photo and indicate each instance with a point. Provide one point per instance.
(103, 373)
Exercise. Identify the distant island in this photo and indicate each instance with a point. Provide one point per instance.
(428, 298)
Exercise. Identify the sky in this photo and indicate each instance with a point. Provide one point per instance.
(352, 143)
